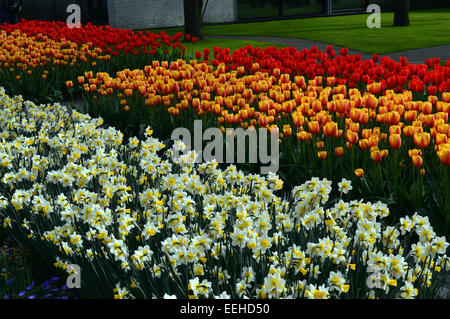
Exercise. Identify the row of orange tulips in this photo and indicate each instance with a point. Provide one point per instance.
(293, 106)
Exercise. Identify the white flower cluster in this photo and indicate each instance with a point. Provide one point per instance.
(140, 225)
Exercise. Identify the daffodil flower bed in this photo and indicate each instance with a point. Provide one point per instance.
(141, 224)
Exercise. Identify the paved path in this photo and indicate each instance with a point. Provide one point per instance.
(414, 56)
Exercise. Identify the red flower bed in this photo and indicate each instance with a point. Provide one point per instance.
(348, 69)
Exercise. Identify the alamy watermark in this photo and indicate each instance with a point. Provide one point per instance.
(374, 279)
(74, 19)
(258, 145)
(374, 19)
(74, 278)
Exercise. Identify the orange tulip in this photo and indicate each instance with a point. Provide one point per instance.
(354, 127)
(395, 141)
(417, 160)
(422, 139)
(331, 81)
(427, 108)
(287, 106)
(414, 151)
(314, 127)
(364, 117)
(394, 129)
(373, 140)
(298, 119)
(304, 136)
(364, 144)
(128, 92)
(441, 139)
(80, 80)
(339, 151)
(322, 155)
(408, 131)
(410, 115)
(359, 172)
(393, 118)
(376, 155)
(446, 97)
(342, 106)
(216, 109)
(330, 129)
(352, 137)
(444, 156)
(287, 130)
(263, 120)
(370, 101)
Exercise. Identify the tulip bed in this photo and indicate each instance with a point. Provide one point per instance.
(97, 190)
(38, 57)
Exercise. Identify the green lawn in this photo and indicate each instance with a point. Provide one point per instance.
(224, 43)
(428, 28)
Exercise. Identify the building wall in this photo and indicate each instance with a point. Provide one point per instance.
(45, 10)
(143, 14)
(220, 11)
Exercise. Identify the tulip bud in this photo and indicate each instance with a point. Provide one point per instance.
(339, 151)
(322, 155)
(359, 172)
(287, 130)
(376, 155)
(417, 160)
(444, 156)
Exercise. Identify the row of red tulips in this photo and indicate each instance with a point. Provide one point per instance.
(430, 77)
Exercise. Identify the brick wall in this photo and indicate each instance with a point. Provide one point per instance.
(142, 14)
(220, 11)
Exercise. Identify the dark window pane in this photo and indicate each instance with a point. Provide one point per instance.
(420, 4)
(385, 5)
(348, 5)
(302, 7)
